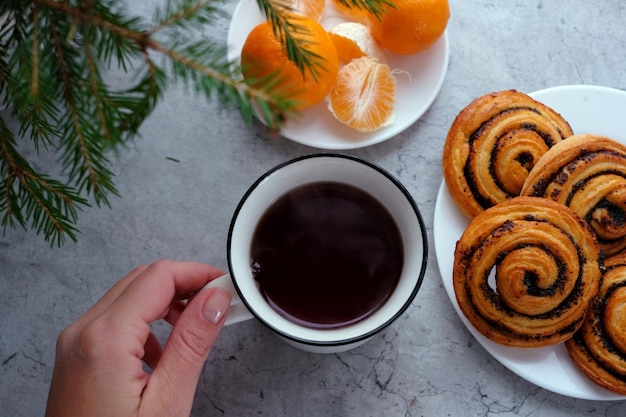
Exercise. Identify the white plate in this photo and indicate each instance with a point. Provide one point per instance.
(317, 127)
(588, 109)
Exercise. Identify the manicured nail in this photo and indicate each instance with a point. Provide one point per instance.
(216, 306)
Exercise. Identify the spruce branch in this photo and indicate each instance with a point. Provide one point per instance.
(50, 205)
(55, 56)
(180, 14)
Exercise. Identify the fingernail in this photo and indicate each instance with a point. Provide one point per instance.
(216, 306)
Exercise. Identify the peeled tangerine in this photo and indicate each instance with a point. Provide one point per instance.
(364, 95)
(354, 40)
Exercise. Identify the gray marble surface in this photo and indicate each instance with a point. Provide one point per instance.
(425, 364)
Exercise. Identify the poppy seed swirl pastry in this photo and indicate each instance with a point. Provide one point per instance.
(492, 145)
(525, 271)
(588, 174)
(599, 347)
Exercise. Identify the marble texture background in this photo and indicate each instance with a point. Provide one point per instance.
(425, 364)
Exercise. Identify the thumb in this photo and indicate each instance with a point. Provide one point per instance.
(176, 376)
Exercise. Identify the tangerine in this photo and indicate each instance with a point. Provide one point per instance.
(354, 40)
(363, 97)
(265, 63)
(412, 26)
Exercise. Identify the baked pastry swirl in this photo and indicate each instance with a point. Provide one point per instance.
(492, 145)
(525, 271)
(599, 347)
(588, 174)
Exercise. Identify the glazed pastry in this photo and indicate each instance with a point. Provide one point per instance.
(599, 347)
(588, 174)
(492, 145)
(525, 271)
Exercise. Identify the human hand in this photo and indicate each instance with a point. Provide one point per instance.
(99, 369)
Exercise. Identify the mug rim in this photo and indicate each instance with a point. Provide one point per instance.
(391, 319)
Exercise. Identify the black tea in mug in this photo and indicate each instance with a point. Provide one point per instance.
(327, 255)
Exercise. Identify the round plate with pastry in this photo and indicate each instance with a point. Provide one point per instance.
(588, 109)
(419, 80)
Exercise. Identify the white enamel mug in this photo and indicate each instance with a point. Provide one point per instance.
(248, 302)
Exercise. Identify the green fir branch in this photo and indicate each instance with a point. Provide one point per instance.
(27, 197)
(55, 56)
(183, 13)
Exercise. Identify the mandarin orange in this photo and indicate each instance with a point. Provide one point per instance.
(354, 40)
(265, 62)
(412, 26)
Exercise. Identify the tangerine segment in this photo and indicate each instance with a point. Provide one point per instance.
(364, 95)
(308, 8)
(266, 64)
(411, 26)
(354, 40)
